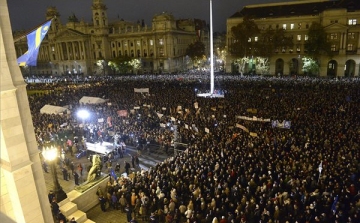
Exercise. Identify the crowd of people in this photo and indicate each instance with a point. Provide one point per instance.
(234, 169)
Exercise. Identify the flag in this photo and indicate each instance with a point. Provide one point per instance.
(122, 113)
(108, 121)
(333, 206)
(112, 173)
(34, 40)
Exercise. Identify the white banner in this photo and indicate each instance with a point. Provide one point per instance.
(254, 118)
(101, 120)
(159, 115)
(136, 108)
(186, 126)
(242, 127)
(141, 90)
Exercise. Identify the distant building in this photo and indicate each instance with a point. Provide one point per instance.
(340, 19)
(77, 47)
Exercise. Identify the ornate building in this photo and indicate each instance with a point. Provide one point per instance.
(340, 19)
(76, 47)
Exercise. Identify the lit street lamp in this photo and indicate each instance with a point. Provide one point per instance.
(50, 154)
(83, 114)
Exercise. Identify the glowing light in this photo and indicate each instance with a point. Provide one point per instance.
(50, 153)
(84, 114)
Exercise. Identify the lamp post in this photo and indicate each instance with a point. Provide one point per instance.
(83, 114)
(50, 154)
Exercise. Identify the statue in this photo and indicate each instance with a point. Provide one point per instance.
(96, 163)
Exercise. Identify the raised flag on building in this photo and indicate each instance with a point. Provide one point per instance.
(34, 40)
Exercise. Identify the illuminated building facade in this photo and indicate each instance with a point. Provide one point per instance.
(77, 47)
(341, 22)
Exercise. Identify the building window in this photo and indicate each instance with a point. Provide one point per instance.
(298, 37)
(306, 37)
(151, 42)
(352, 22)
(351, 35)
(119, 44)
(249, 40)
(119, 52)
(131, 44)
(125, 44)
(350, 47)
(284, 26)
(138, 42)
(113, 45)
(256, 39)
(333, 36)
(161, 41)
(52, 48)
(333, 48)
(298, 49)
(299, 25)
(307, 26)
(283, 49)
(161, 52)
(292, 26)
(334, 21)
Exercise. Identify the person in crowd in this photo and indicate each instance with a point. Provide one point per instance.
(274, 149)
(76, 178)
(102, 200)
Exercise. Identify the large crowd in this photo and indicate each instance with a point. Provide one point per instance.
(233, 169)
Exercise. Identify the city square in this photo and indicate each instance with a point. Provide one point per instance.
(115, 122)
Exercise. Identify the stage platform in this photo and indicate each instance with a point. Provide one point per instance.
(209, 95)
(103, 148)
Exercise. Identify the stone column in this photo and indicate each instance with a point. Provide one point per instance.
(23, 191)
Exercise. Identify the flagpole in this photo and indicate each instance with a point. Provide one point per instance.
(211, 52)
(32, 30)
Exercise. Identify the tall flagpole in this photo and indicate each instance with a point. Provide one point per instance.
(211, 53)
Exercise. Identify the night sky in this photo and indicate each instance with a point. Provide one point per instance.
(27, 14)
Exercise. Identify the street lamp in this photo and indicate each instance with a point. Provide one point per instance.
(83, 114)
(50, 154)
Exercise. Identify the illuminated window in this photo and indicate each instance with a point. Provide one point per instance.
(292, 26)
(256, 38)
(125, 44)
(249, 40)
(333, 48)
(351, 35)
(298, 37)
(352, 22)
(298, 49)
(350, 47)
(284, 26)
(333, 36)
(299, 25)
(306, 37)
(138, 42)
(151, 42)
(52, 48)
(161, 41)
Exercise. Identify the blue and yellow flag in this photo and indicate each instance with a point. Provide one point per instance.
(34, 40)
